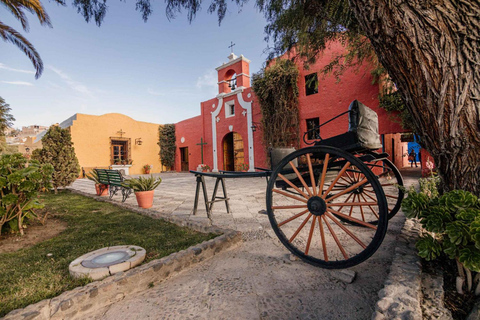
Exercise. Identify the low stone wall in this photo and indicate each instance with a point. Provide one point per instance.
(402, 294)
(73, 304)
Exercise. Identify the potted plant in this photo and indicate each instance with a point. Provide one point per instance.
(205, 167)
(147, 168)
(100, 188)
(144, 189)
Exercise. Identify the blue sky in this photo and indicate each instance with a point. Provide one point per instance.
(157, 71)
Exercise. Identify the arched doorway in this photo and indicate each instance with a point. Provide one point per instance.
(233, 154)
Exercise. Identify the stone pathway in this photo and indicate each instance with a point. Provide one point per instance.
(257, 280)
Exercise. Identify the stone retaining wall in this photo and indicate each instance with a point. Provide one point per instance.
(73, 304)
(402, 294)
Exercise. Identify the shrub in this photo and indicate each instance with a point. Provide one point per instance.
(452, 224)
(20, 182)
(57, 149)
(166, 141)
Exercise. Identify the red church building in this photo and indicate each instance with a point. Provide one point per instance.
(227, 131)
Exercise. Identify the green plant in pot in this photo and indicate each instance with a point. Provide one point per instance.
(144, 189)
(100, 188)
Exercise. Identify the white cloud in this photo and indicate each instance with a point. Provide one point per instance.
(209, 79)
(3, 66)
(75, 85)
(19, 83)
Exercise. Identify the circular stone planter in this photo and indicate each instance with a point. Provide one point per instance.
(103, 262)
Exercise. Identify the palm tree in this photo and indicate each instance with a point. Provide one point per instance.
(18, 8)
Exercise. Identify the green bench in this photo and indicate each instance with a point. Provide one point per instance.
(114, 180)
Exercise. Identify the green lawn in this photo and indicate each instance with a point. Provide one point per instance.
(28, 276)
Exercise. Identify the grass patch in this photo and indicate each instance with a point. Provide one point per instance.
(28, 276)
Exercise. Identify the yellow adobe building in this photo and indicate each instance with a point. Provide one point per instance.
(114, 140)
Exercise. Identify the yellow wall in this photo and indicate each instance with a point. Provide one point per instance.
(29, 143)
(91, 139)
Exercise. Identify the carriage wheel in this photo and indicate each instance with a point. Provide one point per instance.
(305, 197)
(390, 179)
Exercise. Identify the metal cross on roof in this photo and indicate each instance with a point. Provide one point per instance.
(231, 45)
(121, 133)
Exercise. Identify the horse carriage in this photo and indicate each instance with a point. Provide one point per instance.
(330, 203)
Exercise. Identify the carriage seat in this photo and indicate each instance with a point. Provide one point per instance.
(362, 131)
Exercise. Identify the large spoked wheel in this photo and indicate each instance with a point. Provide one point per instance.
(305, 197)
(390, 179)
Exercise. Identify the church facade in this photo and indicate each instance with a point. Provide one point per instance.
(227, 136)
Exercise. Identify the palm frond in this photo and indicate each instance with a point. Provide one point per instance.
(35, 7)
(11, 35)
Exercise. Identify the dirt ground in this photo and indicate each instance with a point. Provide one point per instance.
(34, 234)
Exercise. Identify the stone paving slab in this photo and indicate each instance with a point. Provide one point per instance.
(255, 281)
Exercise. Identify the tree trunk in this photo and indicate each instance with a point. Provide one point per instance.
(430, 48)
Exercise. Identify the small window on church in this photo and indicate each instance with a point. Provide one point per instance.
(314, 134)
(311, 84)
(229, 109)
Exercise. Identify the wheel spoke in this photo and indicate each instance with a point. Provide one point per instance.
(300, 206)
(293, 218)
(352, 203)
(324, 173)
(374, 212)
(346, 230)
(361, 210)
(352, 180)
(386, 195)
(301, 178)
(349, 181)
(286, 194)
(322, 235)
(335, 238)
(312, 178)
(336, 179)
(348, 198)
(366, 194)
(300, 228)
(293, 186)
(356, 185)
(363, 223)
(351, 208)
(310, 235)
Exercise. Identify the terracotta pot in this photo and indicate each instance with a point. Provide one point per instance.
(144, 198)
(147, 171)
(104, 189)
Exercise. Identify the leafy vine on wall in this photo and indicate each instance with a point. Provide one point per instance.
(277, 92)
(167, 143)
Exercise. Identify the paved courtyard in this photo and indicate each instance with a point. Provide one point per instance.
(257, 280)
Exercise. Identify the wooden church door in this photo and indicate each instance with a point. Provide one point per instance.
(238, 152)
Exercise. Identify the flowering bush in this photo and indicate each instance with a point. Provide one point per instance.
(147, 168)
